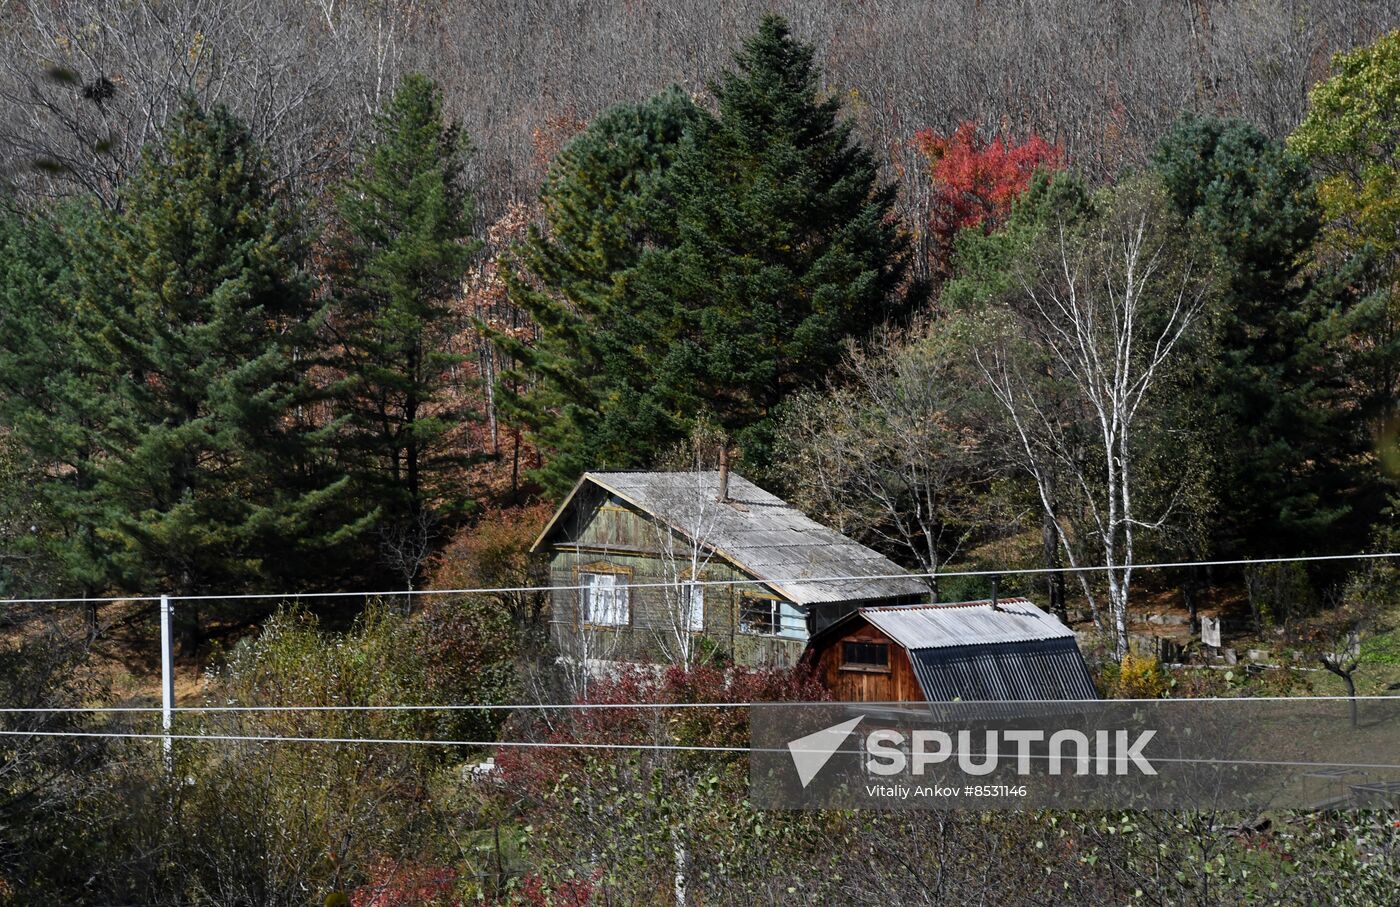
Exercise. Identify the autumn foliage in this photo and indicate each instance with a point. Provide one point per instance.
(975, 181)
(395, 883)
(540, 769)
(535, 892)
(494, 553)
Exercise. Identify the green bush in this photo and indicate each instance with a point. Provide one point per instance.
(250, 821)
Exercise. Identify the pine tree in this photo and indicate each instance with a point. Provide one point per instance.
(41, 422)
(699, 266)
(33, 319)
(194, 329)
(403, 249)
(786, 244)
(585, 386)
(1273, 386)
(47, 407)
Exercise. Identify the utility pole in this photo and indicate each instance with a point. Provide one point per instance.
(167, 677)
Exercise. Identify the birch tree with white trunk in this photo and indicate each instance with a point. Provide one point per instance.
(1092, 332)
(685, 545)
(684, 549)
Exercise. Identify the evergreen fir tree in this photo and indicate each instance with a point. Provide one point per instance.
(786, 245)
(585, 387)
(193, 328)
(403, 249)
(33, 319)
(42, 422)
(699, 266)
(1284, 437)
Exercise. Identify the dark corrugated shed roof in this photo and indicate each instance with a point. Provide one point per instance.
(979, 652)
(1004, 671)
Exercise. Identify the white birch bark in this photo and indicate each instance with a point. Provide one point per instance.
(1106, 311)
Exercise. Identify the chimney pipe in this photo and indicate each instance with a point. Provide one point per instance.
(723, 497)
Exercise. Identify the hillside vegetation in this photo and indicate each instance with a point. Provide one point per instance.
(302, 297)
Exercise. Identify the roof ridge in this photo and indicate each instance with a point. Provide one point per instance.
(753, 535)
(1018, 599)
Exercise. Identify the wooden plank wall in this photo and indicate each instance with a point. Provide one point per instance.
(898, 684)
(612, 533)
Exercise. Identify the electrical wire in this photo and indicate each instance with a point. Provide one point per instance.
(398, 741)
(467, 707)
(640, 747)
(614, 706)
(797, 580)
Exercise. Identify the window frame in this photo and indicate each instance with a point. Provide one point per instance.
(622, 582)
(865, 667)
(749, 603)
(776, 607)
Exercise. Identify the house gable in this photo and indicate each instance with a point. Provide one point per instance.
(596, 520)
(760, 534)
(766, 573)
(972, 651)
(848, 681)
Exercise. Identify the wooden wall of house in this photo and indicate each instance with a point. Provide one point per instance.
(864, 684)
(606, 534)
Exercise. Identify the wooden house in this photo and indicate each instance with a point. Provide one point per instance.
(969, 652)
(687, 566)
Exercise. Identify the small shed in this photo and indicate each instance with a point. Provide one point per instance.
(659, 565)
(969, 651)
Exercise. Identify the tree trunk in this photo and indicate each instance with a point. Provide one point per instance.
(412, 456)
(682, 865)
(515, 463)
(1346, 674)
(1120, 623)
(1190, 593)
(191, 634)
(1055, 580)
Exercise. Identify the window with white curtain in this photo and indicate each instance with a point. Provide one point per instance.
(603, 599)
(693, 605)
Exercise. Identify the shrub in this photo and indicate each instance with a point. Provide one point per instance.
(495, 553)
(1136, 677)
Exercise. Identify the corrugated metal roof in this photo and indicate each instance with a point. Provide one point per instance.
(966, 623)
(763, 535)
(971, 652)
(1004, 672)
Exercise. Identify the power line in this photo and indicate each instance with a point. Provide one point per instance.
(398, 741)
(803, 580)
(797, 580)
(609, 706)
(640, 747)
(470, 707)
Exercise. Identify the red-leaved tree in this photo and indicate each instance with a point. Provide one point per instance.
(610, 718)
(534, 892)
(975, 182)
